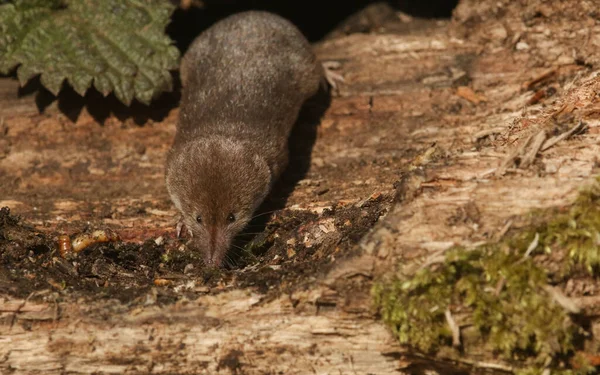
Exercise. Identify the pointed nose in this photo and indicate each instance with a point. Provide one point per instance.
(217, 246)
(210, 261)
(212, 235)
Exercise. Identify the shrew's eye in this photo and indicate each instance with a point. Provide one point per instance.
(231, 218)
(199, 219)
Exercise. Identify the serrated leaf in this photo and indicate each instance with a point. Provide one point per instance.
(143, 89)
(25, 73)
(81, 82)
(124, 91)
(52, 81)
(103, 84)
(109, 44)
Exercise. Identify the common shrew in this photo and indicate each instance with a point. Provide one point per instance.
(244, 82)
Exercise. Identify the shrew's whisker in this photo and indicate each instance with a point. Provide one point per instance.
(263, 213)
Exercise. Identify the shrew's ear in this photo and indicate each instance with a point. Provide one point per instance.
(177, 202)
(263, 179)
(173, 193)
(262, 170)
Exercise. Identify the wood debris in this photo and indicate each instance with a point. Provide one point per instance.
(539, 95)
(559, 297)
(544, 77)
(453, 328)
(487, 132)
(577, 129)
(470, 95)
(532, 150)
(524, 155)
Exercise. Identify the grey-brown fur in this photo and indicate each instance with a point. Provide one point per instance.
(244, 81)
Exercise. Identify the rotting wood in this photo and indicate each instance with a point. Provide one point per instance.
(294, 334)
(271, 337)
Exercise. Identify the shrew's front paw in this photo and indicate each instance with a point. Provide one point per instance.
(181, 226)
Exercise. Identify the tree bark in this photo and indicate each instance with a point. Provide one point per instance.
(400, 98)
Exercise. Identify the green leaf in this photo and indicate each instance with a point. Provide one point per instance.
(114, 45)
(52, 81)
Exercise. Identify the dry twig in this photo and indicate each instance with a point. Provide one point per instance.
(577, 129)
(532, 150)
(453, 327)
(509, 161)
(560, 298)
(539, 79)
(532, 246)
(504, 230)
(528, 150)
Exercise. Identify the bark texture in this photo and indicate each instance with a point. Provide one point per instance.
(444, 118)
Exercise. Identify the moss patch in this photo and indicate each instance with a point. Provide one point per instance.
(498, 294)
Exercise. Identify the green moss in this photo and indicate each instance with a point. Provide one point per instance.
(498, 293)
(577, 232)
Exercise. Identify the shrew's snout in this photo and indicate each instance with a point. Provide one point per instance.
(218, 245)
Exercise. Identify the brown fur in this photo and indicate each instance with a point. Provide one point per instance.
(244, 81)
